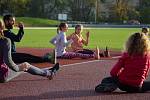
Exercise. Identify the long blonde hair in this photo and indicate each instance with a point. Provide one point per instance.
(137, 43)
(79, 25)
(1, 29)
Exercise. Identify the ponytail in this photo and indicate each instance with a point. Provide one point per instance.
(1, 29)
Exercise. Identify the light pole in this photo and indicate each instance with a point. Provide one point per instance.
(95, 11)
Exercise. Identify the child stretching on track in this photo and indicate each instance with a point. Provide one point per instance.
(60, 42)
(131, 70)
(9, 70)
(79, 41)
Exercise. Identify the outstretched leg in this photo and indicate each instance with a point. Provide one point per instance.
(108, 84)
(41, 72)
(32, 70)
(24, 57)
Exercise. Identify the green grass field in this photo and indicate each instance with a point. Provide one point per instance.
(36, 22)
(114, 38)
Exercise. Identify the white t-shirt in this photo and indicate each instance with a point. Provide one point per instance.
(60, 42)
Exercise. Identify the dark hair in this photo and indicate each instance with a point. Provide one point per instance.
(7, 17)
(145, 29)
(78, 25)
(61, 25)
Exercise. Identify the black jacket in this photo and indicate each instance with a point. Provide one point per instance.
(14, 37)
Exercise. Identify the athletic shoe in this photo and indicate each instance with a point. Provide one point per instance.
(107, 85)
(105, 88)
(53, 71)
(55, 68)
(47, 57)
(106, 52)
(50, 57)
(97, 53)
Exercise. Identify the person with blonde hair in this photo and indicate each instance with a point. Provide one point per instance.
(61, 43)
(9, 70)
(130, 72)
(79, 42)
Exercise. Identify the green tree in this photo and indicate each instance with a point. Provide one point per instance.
(54, 7)
(36, 8)
(16, 7)
(81, 10)
(121, 8)
(98, 3)
(144, 11)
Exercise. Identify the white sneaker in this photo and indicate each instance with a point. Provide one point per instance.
(97, 53)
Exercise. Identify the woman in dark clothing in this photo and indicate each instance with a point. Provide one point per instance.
(17, 57)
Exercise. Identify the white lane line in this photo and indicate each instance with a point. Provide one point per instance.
(81, 63)
(116, 57)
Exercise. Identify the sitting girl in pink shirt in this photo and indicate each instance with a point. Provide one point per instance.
(131, 70)
(79, 41)
(61, 43)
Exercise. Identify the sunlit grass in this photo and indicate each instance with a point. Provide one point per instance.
(114, 38)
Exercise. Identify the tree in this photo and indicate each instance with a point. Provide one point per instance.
(81, 10)
(36, 8)
(144, 11)
(98, 9)
(16, 7)
(120, 10)
(54, 7)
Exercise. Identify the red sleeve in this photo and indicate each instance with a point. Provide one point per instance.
(148, 66)
(118, 66)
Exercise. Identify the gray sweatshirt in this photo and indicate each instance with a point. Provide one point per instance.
(5, 54)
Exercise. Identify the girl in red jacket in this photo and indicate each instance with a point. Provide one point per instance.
(131, 70)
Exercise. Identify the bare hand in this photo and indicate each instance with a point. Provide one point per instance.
(87, 34)
(20, 25)
(24, 66)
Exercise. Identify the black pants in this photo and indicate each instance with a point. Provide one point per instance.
(145, 87)
(111, 80)
(24, 57)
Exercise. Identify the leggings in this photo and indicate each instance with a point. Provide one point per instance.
(32, 70)
(85, 51)
(145, 87)
(70, 55)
